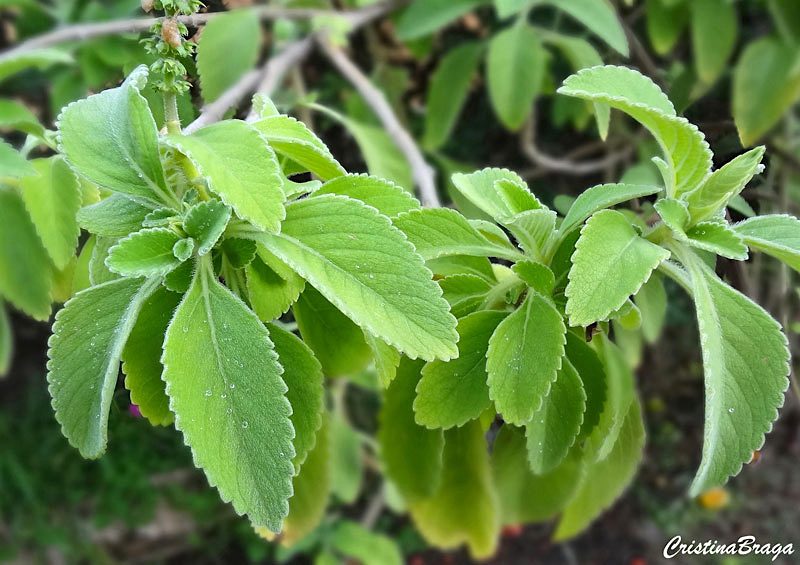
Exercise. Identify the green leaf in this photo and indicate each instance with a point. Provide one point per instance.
(464, 292)
(6, 341)
(25, 271)
(604, 481)
(292, 139)
(454, 392)
(302, 374)
(739, 340)
(775, 234)
(479, 188)
(16, 116)
(84, 353)
(593, 380)
(230, 33)
(448, 91)
(272, 286)
(602, 196)
(438, 232)
(652, 303)
(665, 22)
(554, 427)
(385, 357)
(147, 252)
(347, 466)
(714, 28)
(717, 237)
(99, 272)
(224, 383)
(766, 82)
(674, 213)
(13, 164)
(516, 197)
(115, 216)
(239, 252)
(41, 59)
(534, 230)
(524, 357)
(536, 276)
(600, 18)
(366, 547)
(524, 496)
(387, 197)
(240, 167)
(205, 222)
(611, 262)
(337, 342)
(687, 153)
(411, 454)
(112, 140)
(141, 357)
(365, 266)
(183, 249)
(723, 184)
(52, 199)
(311, 487)
(515, 66)
(424, 18)
(444, 519)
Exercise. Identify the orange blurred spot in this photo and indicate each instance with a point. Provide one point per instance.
(714, 499)
(512, 531)
(756, 457)
(638, 561)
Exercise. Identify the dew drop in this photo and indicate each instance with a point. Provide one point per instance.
(208, 392)
(731, 410)
(233, 386)
(245, 424)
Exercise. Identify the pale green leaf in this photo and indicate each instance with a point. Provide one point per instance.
(524, 357)
(464, 292)
(115, 216)
(365, 547)
(43, 58)
(516, 197)
(147, 252)
(537, 276)
(205, 222)
(604, 481)
(524, 496)
(775, 234)
(554, 427)
(240, 167)
(228, 48)
(302, 374)
(674, 213)
(424, 18)
(515, 66)
(14, 115)
(12, 163)
(292, 139)
(687, 154)
(479, 188)
(593, 380)
(449, 87)
(183, 249)
(454, 392)
(411, 454)
(717, 237)
(223, 380)
(602, 196)
(112, 140)
(714, 26)
(437, 232)
(337, 342)
(25, 270)
(611, 262)
(723, 184)
(141, 357)
(740, 341)
(365, 266)
(238, 252)
(387, 197)
(52, 199)
(386, 359)
(766, 82)
(599, 17)
(99, 272)
(507, 8)
(84, 354)
(652, 302)
(534, 230)
(665, 22)
(347, 465)
(272, 286)
(464, 508)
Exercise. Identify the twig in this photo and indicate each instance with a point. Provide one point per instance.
(421, 171)
(135, 25)
(561, 164)
(374, 508)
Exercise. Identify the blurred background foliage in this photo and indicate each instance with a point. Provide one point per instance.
(473, 81)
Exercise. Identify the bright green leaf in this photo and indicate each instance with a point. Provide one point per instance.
(602, 196)
(387, 197)
(146, 252)
(775, 234)
(599, 17)
(424, 18)
(272, 286)
(115, 216)
(205, 222)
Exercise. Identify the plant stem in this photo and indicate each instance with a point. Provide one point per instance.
(171, 117)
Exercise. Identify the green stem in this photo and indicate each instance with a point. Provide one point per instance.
(173, 120)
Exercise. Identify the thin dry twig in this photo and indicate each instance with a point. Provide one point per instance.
(421, 171)
(565, 165)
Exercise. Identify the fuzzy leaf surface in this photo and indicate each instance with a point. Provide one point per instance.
(775, 234)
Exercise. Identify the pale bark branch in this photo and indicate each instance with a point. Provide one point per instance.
(421, 171)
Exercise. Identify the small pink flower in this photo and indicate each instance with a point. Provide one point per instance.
(134, 410)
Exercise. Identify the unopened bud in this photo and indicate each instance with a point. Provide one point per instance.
(171, 34)
(147, 5)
